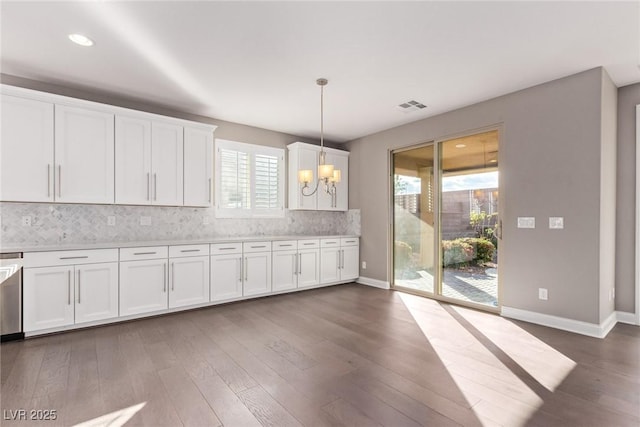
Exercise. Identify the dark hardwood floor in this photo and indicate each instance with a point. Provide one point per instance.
(345, 355)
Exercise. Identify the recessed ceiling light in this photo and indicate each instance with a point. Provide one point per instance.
(80, 39)
(460, 145)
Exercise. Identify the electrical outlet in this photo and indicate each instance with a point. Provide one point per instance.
(145, 220)
(556, 222)
(543, 294)
(364, 265)
(26, 221)
(111, 220)
(526, 222)
(612, 294)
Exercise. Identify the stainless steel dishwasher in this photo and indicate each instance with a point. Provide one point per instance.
(11, 296)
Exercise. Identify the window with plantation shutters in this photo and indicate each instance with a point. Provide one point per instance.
(249, 180)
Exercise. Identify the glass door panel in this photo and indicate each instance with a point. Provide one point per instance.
(414, 259)
(469, 217)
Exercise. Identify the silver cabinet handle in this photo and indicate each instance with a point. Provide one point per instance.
(59, 181)
(338, 259)
(145, 253)
(285, 246)
(173, 277)
(225, 249)
(74, 257)
(240, 269)
(190, 250)
(78, 286)
(299, 263)
(209, 193)
(68, 287)
(155, 186)
(258, 247)
(164, 278)
(246, 269)
(148, 186)
(295, 264)
(48, 180)
(342, 262)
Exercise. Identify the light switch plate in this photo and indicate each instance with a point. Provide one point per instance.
(526, 222)
(556, 222)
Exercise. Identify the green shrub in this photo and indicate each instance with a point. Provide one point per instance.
(403, 254)
(467, 250)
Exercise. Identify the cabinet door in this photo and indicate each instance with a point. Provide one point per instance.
(189, 281)
(308, 267)
(257, 273)
(96, 292)
(341, 200)
(349, 262)
(226, 277)
(198, 160)
(300, 159)
(143, 286)
(285, 268)
(26, 151)
(133, 161)
(167, 164)
(48, 297)
(329, 265)
(84, 154)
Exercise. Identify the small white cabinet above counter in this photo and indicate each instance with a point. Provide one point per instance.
(59, 149)
(67, 289)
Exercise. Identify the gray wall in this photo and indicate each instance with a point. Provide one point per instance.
(550, 166)
(628, 98)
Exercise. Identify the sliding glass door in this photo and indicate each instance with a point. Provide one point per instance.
(446, 219)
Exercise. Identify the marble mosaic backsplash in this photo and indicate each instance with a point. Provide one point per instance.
(53, 224)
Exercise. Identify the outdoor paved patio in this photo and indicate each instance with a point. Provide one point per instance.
(473, 287)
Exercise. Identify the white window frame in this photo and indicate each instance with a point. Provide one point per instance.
(252, 150)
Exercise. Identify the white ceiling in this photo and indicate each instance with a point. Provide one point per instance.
(257, 62)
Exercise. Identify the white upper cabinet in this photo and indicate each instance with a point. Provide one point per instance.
(133, 161)
(198, 171)
(305, 157)
(26, 150)
(84, 155)
(167, 163)
(59, 149)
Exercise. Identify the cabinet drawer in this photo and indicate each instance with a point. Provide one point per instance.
(285, 245)
(46, 259)
(308, 244)
(329, 242)
(256, 247)
(349, 241)
(145, 252)
(226, 248)
(188, 250)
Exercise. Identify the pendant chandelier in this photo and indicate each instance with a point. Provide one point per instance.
(327, 175)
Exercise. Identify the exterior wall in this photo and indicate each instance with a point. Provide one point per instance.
(550, 153)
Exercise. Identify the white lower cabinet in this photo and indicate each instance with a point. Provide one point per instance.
(339, 259)
(58, 295)
(143, 280)
(226, 277)
(257, 268)
(188, 275)
(296, 264)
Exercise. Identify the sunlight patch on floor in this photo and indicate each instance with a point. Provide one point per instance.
(503, 369)
(114, 419)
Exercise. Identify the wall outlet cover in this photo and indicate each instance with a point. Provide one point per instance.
(543, 294)
(556, 222)
(364, 265)
(26, 221)
(526, 222)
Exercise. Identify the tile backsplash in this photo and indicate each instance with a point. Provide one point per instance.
(53, 224)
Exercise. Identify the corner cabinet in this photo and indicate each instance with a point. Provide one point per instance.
(59, 149)
(305, 156)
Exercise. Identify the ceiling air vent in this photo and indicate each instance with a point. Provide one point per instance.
(410, 106)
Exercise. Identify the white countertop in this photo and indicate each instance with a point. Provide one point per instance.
(133, 244)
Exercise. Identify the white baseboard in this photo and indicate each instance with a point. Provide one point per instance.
(373, 282)
(625, 317)
(576, 326)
